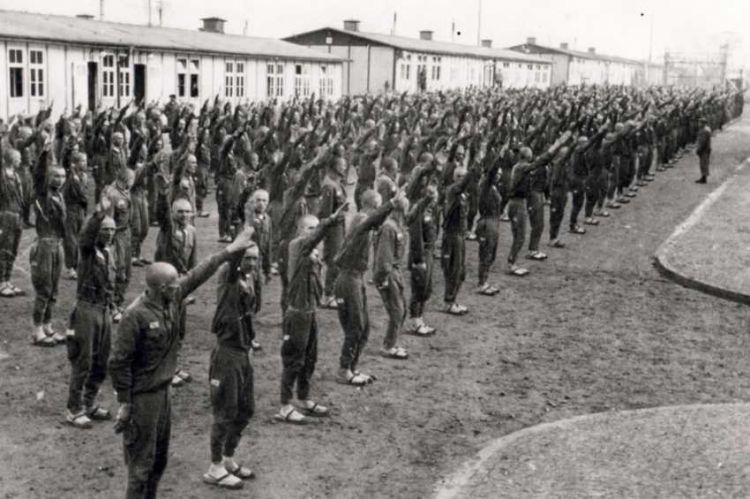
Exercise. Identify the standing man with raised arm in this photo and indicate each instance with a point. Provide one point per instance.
(299, 347)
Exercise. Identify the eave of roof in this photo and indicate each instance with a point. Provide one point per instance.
(580, 54)
(74, 30)
(434, 46)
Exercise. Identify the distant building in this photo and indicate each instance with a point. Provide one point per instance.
(574, 67)
(79, 60)
(378, 62)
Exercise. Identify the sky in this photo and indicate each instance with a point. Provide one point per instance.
(616, 27)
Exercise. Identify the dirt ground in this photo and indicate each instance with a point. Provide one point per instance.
(595, 328)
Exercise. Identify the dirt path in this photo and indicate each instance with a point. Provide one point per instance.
(593, 329)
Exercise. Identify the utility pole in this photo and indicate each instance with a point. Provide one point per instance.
(160, 10)
(479, 24)
(149, 13)
(101, 10)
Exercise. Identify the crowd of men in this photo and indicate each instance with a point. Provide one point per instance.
(433, 170)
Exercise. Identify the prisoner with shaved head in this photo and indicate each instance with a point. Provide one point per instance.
(351, 295)
(90, 329)
(46, 253)
(299, 346)
(143, 361)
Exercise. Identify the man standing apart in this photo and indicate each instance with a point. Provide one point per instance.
(703, 149)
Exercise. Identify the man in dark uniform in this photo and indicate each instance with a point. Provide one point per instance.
(230, 372)
(703, 150)
(90, 330)
(143, 361)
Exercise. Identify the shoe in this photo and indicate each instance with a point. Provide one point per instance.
(78, 420)
(203, 214)
(71, 274)
(701, 180)
(257, 347)
(328, 302)
(136, 262)
(515, 270)
(6, 291)
(536, 255)
(504, 218)
(18, 291)
(623, 200)
(577, 229)
(471, 236)
(145, 261)
(631, 194)
(603, 214)
(274, 268)
(117, 317)
(455, 309)
(556, 243)
(40, 339)
(423, 330)
(591, 221)
(97, 413)
(487, 290)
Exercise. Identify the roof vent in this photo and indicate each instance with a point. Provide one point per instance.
(213, 24)
(487, 43)
(564, 46)
(84, 16)
(425, 34)
(531, 40)
(592, 50)
(351, 24)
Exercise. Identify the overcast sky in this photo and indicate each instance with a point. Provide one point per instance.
(616, 27)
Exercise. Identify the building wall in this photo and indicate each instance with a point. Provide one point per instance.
(518, 74)
(65, 77)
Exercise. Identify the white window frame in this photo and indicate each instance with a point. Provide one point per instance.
(189, 67)
(16, 67)
(239, 78)
(37, 83)
(436, 65)
(108, 76)
(302, 80)
(229, 78)
(274, 79)
(123, 82)
(325, 82)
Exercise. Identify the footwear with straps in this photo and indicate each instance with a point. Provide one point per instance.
(79, 420)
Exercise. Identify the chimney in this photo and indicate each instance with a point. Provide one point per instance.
(425, 34)
(592, 50)
(487, 43)
(351, 24)
(531, 40)
(84, 16)
(564, 46)
(213, 24)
